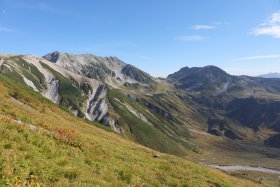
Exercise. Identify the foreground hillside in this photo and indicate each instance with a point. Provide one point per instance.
(41, 144)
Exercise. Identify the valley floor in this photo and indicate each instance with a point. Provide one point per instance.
(225, 152)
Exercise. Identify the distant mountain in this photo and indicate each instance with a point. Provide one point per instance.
(270, 75)
(215, 81)
(43, 144)
(209, 78)
(232, 101)
(133, 103)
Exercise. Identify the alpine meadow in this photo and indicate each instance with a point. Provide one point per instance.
(139, 93)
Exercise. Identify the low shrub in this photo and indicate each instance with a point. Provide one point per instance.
(67, 136)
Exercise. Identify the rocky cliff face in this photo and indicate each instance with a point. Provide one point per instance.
(96, 106)
(52, 84)
(111, 70)
(83, 96)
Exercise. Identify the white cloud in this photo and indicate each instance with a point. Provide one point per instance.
(203, 27)
(4, 29)
(261, 57)
(220, 23)
(271, 27)
(190, 38)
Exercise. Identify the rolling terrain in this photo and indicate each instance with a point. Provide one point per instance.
(43, 145)
(198, 114)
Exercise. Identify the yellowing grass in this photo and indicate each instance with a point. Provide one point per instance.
(68, 151)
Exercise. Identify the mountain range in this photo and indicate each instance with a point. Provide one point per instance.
(270, 75)
(202, 113)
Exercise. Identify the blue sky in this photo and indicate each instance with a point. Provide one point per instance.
(158, 36)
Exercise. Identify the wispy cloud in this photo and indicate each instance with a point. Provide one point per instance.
(4, 29)
(203, 27)
(210, 26)
(221, 23)
(261, 57)
(190, 38)
(270, 27)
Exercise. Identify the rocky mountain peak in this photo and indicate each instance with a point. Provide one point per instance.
(80, 58)
(109, 69)
(200, 78)
(203, 71)
(52, 57)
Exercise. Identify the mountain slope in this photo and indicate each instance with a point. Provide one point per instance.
(83, 96)
(97, 100)
(215, 81)
(196, 113)
(227, 99)
(41, 144)
(139, 106)
(109, 69)
(209, 78)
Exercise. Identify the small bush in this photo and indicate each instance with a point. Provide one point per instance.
(125, 176)
(67, 136)
(70, 175)
(8, 146)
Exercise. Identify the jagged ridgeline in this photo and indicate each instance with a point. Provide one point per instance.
(43, 145)
(156, 112)
(232, 105)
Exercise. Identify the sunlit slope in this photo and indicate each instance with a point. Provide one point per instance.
(149, 115)
(41, 144)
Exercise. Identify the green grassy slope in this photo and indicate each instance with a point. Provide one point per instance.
(27, 70)
(139, 130)
(61, 150)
